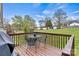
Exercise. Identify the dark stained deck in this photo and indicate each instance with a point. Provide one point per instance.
(40, 51)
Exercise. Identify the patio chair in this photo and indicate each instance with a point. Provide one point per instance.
(32, 42)
(43, 40)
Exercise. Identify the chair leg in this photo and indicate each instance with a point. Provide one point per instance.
(36, 48)
(45, 45)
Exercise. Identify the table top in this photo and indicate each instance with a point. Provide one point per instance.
(32, 36)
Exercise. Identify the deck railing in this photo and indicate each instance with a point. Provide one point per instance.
(65, 42)
(69, 47)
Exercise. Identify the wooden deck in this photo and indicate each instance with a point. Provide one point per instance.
(40, 51)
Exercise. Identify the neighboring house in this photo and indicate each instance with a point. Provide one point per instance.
(41, 27)
(54, 25)
(74, 24)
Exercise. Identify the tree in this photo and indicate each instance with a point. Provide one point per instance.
(60, 15)
(41, 23)
(17, 22)
(8, 28)
(29, 22)
(48, 23)
(25, 23)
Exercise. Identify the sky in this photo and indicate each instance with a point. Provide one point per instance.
(39, 10)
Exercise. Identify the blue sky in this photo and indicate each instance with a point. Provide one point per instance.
(39, 10)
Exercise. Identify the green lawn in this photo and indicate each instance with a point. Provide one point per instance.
(74, 31)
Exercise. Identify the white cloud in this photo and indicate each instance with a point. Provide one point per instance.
(11, 22)
(73, 18)
(62, 6)
(46, 12)
(36, 4)
(39, 16)
(76, 11)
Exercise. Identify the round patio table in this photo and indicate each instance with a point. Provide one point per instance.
(33, 40)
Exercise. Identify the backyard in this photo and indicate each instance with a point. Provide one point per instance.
(74, 31)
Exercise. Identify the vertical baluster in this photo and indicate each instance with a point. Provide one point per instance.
(21, 39)
(48, 39)
(52, 40)
(18, 39)
(15, 40)
(56, 41)
(61, 43)
(66, 39)
(45, 41)
(24, 38)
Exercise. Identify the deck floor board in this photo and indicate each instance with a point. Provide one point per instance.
(40, 51)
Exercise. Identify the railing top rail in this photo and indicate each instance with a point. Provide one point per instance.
(54, 34)
(40, 33)
(18, 33)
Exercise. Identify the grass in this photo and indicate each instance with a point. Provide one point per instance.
(74, 31)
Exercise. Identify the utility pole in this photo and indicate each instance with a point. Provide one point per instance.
(1, 17)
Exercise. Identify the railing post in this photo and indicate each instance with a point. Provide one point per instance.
(69, 48)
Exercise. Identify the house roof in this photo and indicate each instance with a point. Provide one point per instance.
(74, 24)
